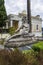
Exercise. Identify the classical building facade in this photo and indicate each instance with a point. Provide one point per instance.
(36, 25)
(17, 21)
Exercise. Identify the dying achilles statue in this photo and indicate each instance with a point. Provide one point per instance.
(24, 28)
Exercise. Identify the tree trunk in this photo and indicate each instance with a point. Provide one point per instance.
(29, 15)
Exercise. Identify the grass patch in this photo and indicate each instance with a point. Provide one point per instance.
(27, 51)
(37, 47)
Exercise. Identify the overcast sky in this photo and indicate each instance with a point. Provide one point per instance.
(16, 6)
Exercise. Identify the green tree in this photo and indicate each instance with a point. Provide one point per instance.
(3, 15)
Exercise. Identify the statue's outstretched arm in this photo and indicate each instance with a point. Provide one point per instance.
(21, 27)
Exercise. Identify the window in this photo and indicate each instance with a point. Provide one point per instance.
(36, 27)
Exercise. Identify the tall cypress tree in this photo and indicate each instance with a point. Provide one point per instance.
(3, 15)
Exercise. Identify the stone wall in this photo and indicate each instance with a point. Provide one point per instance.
(36, 22)
(4, 36)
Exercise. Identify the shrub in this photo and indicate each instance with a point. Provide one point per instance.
(2, 41)
(31, 58)
(15, 57)
(11, 30)
(35, 48)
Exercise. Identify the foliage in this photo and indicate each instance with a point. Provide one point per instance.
(35, 48)
(15, 57)
(3, 15)
(38, 46)
(2, 41)
(34, 57)
(11, 30)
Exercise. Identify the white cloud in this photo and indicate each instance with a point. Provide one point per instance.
(16, 6)
(37, 7)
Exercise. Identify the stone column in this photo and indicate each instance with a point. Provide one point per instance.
(7, 25)
(11, 23)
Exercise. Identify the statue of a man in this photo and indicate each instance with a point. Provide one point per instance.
(24, 28)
